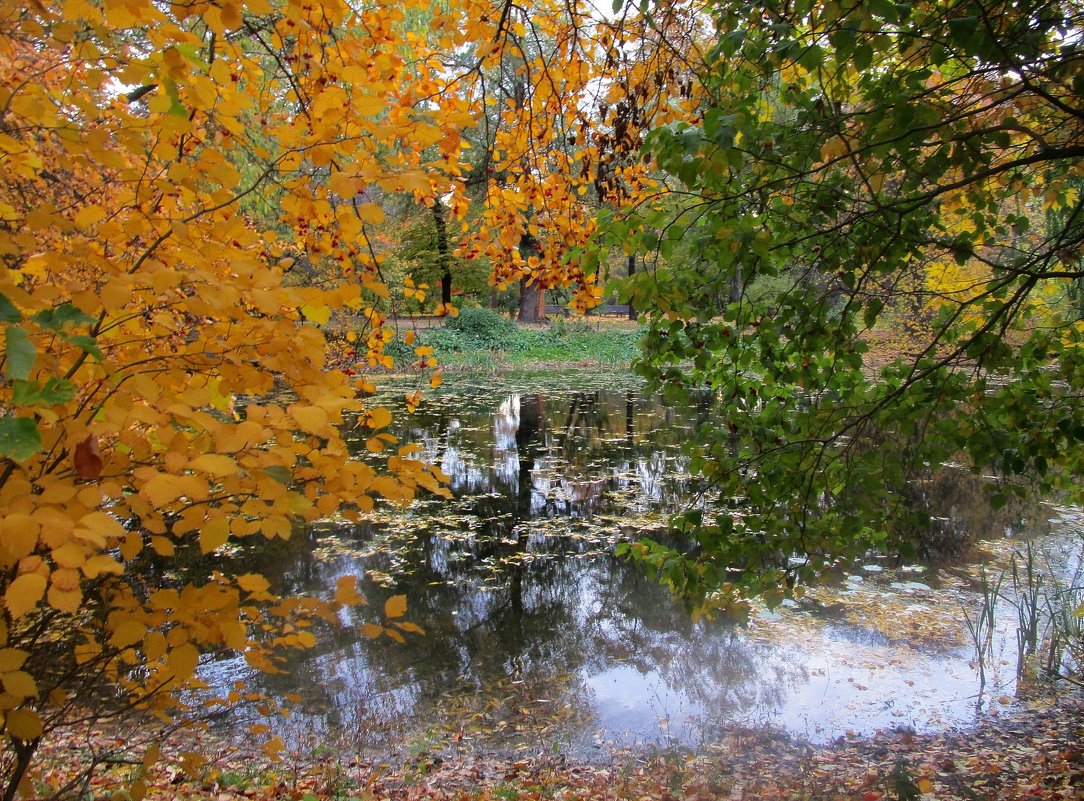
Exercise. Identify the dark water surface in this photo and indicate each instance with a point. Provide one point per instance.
(537, 638)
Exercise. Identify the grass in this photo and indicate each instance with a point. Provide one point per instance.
(482, 343)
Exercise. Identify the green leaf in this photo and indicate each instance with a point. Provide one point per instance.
(279, 473)
(8, 312)
(63, 315)
(31, 393)
(87, 344)
(19, 437)
(20, 353)
(863, 57)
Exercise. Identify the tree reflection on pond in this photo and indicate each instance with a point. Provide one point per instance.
(537, 636)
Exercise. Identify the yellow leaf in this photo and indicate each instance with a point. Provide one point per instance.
(374, 445)
(253, 583)
(161, 490)
(69, 555)
(13, 658)
(137, 790)
(128, 633)
(436, 380)
(346, 591)
(214, 463)
(103, 524)
(395, 606)
(24, 593)
(65, 600)
(317, 314)
(379, 417)
(20, 683)
(214, 534)
(24, 724)
(372, 631)
(371, 213)
(154, 753)
(924, 785)
(96, 565)
(183, 660)
(18, 536)
(312, 419)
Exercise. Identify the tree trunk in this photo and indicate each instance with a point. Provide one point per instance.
(632, 270)
(532, 295)
(444, 253)
(532, 301)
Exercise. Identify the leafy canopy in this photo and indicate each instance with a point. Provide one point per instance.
(872, 163)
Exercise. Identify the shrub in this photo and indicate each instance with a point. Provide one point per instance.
(483, 328)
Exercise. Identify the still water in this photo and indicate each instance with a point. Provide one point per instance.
(538, 639)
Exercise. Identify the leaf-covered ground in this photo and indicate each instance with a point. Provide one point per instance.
(1034, 753)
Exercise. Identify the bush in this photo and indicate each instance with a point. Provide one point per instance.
(483, 328)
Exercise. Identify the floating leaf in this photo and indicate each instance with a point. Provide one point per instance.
(395, 606)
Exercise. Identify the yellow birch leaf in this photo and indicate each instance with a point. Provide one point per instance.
(24, 593)
(395, 635)
(371, 213)
(183, 660)
(20, 683)
(24, 724)
(115, 295)
(153, 754)
(379, 417)
(137, 790)
(214, 463)
(128, 633)
(131, 546)
(103, 524)
(96, 565)
(312, 419)
(436, 380)
(18, 536)
(89, 215)
(374, 445)
(372, 631)
(69, 555)
(13, 658)
(65, 600)
(65, 579)
(154, 645)
(395, 606)
(924, 785)
(214, 534)
(316, 314)
(254, 583)
(346, 591)
(161, 490)
(162, 546)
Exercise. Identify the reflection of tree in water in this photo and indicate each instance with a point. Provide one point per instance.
(518, 597)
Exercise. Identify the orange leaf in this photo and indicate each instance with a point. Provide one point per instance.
(395, 606)
(88, 458)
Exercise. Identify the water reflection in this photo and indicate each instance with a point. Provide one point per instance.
(536, 636)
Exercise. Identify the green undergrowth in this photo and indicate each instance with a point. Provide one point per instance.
(482, 339)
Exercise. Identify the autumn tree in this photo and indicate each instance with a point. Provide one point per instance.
(148, 319)
(855, 153)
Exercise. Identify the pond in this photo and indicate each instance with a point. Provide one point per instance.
(536, 638)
